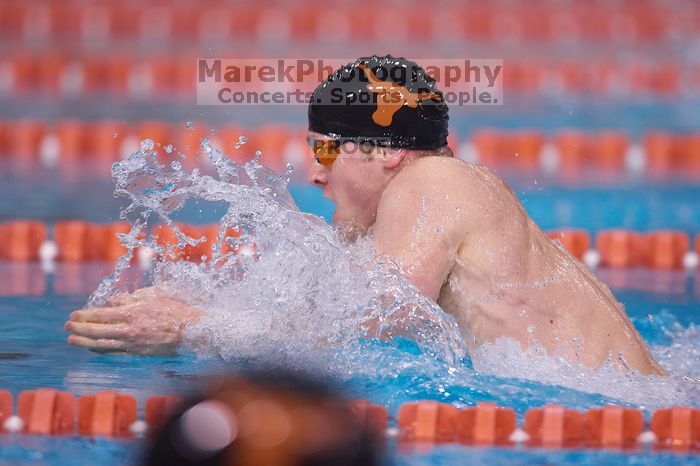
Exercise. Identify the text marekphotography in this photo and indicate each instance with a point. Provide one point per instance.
(291, 81)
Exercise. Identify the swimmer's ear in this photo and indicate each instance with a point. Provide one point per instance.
(392, 157)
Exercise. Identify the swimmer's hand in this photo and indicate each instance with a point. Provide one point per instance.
(146, 322)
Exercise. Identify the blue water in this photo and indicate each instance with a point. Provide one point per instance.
(33, 352)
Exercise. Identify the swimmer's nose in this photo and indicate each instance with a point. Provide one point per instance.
(318, 174)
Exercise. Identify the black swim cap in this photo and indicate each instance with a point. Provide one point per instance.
(391, 100)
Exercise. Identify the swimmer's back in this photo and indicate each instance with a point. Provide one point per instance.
(503, 277)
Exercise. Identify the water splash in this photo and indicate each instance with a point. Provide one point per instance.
(285, 269)
(289, 290)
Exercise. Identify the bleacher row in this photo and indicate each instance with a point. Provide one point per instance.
(33, 142)
(631, 21)
(112, 414)
(81, 241)
(58, 75)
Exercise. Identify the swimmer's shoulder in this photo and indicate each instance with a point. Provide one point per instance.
(450, 174)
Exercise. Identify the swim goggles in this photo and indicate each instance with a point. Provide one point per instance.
(327, 150)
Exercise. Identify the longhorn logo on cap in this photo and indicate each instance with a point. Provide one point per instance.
(392, 97)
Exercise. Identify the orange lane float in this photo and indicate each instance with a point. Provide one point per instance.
(272, 141)
(70, 237)
(486, 424)
(107, 414)
(677, 428)
(5, 408)
(106, 140)
(526, 147)
(665, 249)
(20, 240)
(554, 426)
(375, 417)
(619, 248)
(159, 408)
(572, 147)
(80, 241)
(25, 138)
(158, 131)
(613, 427)
(427, 421)
(489, 146)
(576, 241)
(609, 150)
(46, 411)
(690, 152)
(105, 243)
(72, 138)
(661, 153)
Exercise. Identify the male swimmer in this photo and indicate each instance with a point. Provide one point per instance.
(456, 230)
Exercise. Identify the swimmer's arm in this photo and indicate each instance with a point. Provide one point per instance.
(421, 231)
(146, 322)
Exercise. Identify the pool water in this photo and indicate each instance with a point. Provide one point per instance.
(664, 306)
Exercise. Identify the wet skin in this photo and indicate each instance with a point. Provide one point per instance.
(463, 239)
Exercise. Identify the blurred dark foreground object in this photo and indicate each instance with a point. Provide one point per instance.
(265, 419)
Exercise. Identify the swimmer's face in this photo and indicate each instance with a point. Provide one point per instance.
(354, 182)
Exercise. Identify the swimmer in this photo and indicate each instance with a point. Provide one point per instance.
(456, 230)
